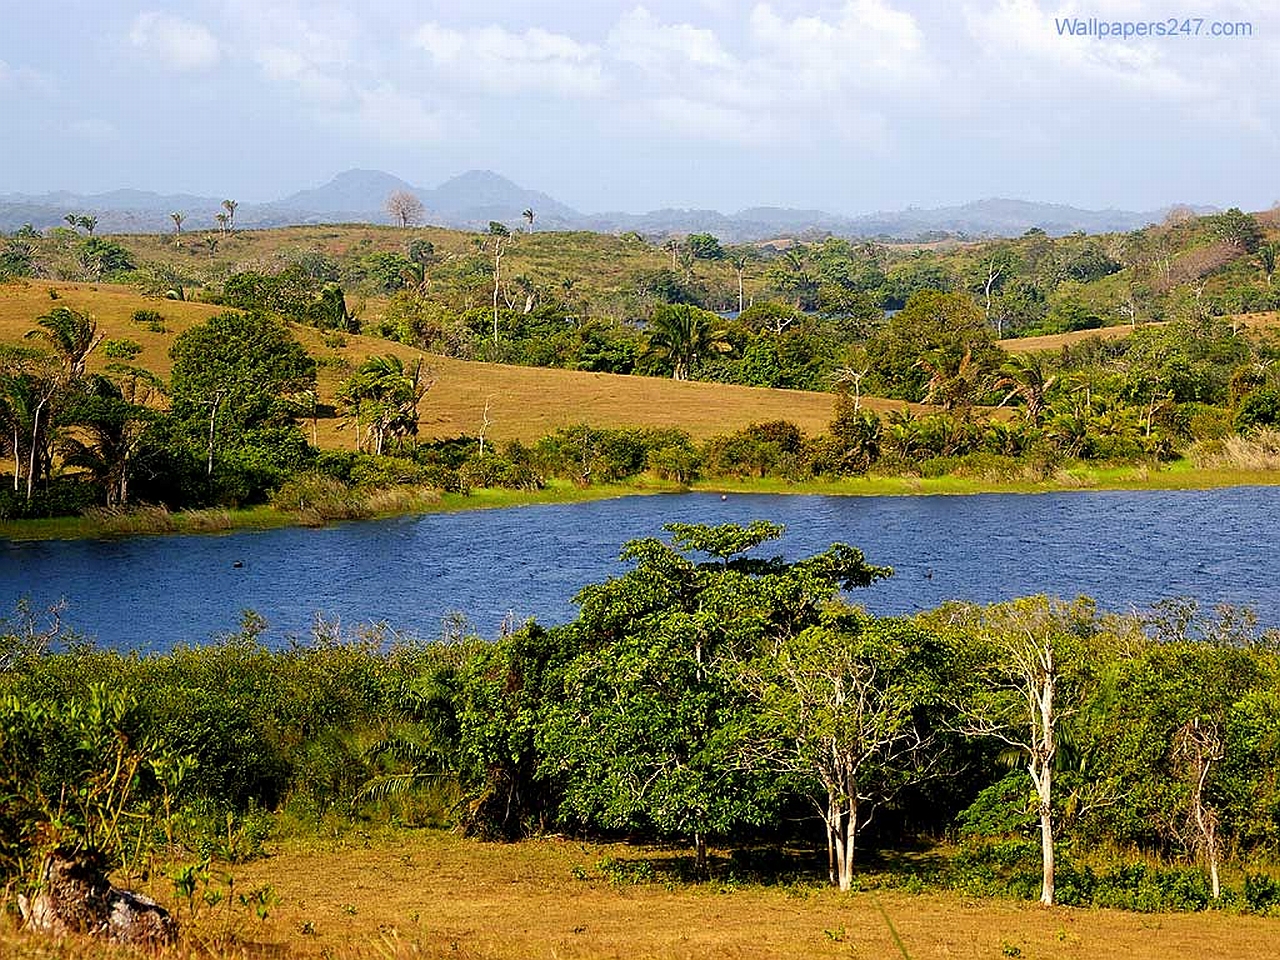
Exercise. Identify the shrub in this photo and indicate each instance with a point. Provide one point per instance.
(122, 349)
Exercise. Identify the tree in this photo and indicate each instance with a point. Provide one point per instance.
(383, 396)
(232, 375)
(72, 335)
(704, 246)
(90, 223)
(528, 215)
(405, 207)
(1267, 259)
(222, 220)
(644, 732)
(499, 235)
(1241, 230)
(681, 335)
(230, 207)
(939, 344)
(1026, 377)
(1199, 746)
(1026, 669)
(111, 416)
(844, 705)
(25, 398)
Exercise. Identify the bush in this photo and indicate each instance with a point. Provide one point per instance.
(317, 499)
(123, 349)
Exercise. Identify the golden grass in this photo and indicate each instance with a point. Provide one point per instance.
(1259, 451)
(433, 894)
(524, 402)
(1056, 341)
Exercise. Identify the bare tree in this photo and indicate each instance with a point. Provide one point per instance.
(485, 423)
(1199, 745)
(845, 710)
(740, 266)
(1016, 692)
(405, 207)
(500, 235)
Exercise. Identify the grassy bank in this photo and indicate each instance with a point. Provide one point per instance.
(433, 894)
(1181, 475)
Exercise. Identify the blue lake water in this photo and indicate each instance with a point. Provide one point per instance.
(1125, 549)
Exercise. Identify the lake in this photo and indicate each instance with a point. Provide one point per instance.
(1127, 549)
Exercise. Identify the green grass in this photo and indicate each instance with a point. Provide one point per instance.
(1181, 475)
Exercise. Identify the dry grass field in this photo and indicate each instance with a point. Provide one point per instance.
(432, 894)
(524, 402)
(1056, 341)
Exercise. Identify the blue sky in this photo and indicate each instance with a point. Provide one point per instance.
(848, 106)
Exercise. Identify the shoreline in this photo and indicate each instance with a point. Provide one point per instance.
(145, 521)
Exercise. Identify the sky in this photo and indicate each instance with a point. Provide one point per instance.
(850, 107)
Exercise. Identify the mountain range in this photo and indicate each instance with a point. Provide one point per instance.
(473, 199)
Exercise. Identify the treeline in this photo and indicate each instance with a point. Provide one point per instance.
(708, 696)
(229, 426)
(781, 315)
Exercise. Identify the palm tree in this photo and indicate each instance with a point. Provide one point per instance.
(230, 207)
(223, 220)
(25, 400)
(528, 215)
(90, 223)
(1026, 378)
(681, 335)
(72, 335)
(110, 425)
(383, 396)
(177, 219)
(1267, 259)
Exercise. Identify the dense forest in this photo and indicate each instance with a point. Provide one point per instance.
(228, 425)
(710, 697)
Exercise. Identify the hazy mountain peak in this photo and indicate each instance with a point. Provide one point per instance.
(352, 191)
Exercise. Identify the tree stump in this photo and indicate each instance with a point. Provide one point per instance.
(75, 896)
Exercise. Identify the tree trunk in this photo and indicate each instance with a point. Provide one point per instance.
(35, 433)
(213, 415)
(829, 821)
(1046, 836)
(700, 854)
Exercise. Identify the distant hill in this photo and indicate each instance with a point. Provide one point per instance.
(472, 199)
(362, 191)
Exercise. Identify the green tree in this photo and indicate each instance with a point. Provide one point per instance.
(936, 342)
(681, 335)
(704, 246)
(382, 399)
(643, 734)
(1028, 666)
(843, 708)
(232, 375)
(1237, 228)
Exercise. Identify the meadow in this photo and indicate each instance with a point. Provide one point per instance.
(429, 893)
(525, 403)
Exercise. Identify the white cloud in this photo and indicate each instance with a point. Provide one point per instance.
(390, 115)
(179, 44)
(312, 80)
(501, 61)
(792, 74)
(640, 39)
(867, 44)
